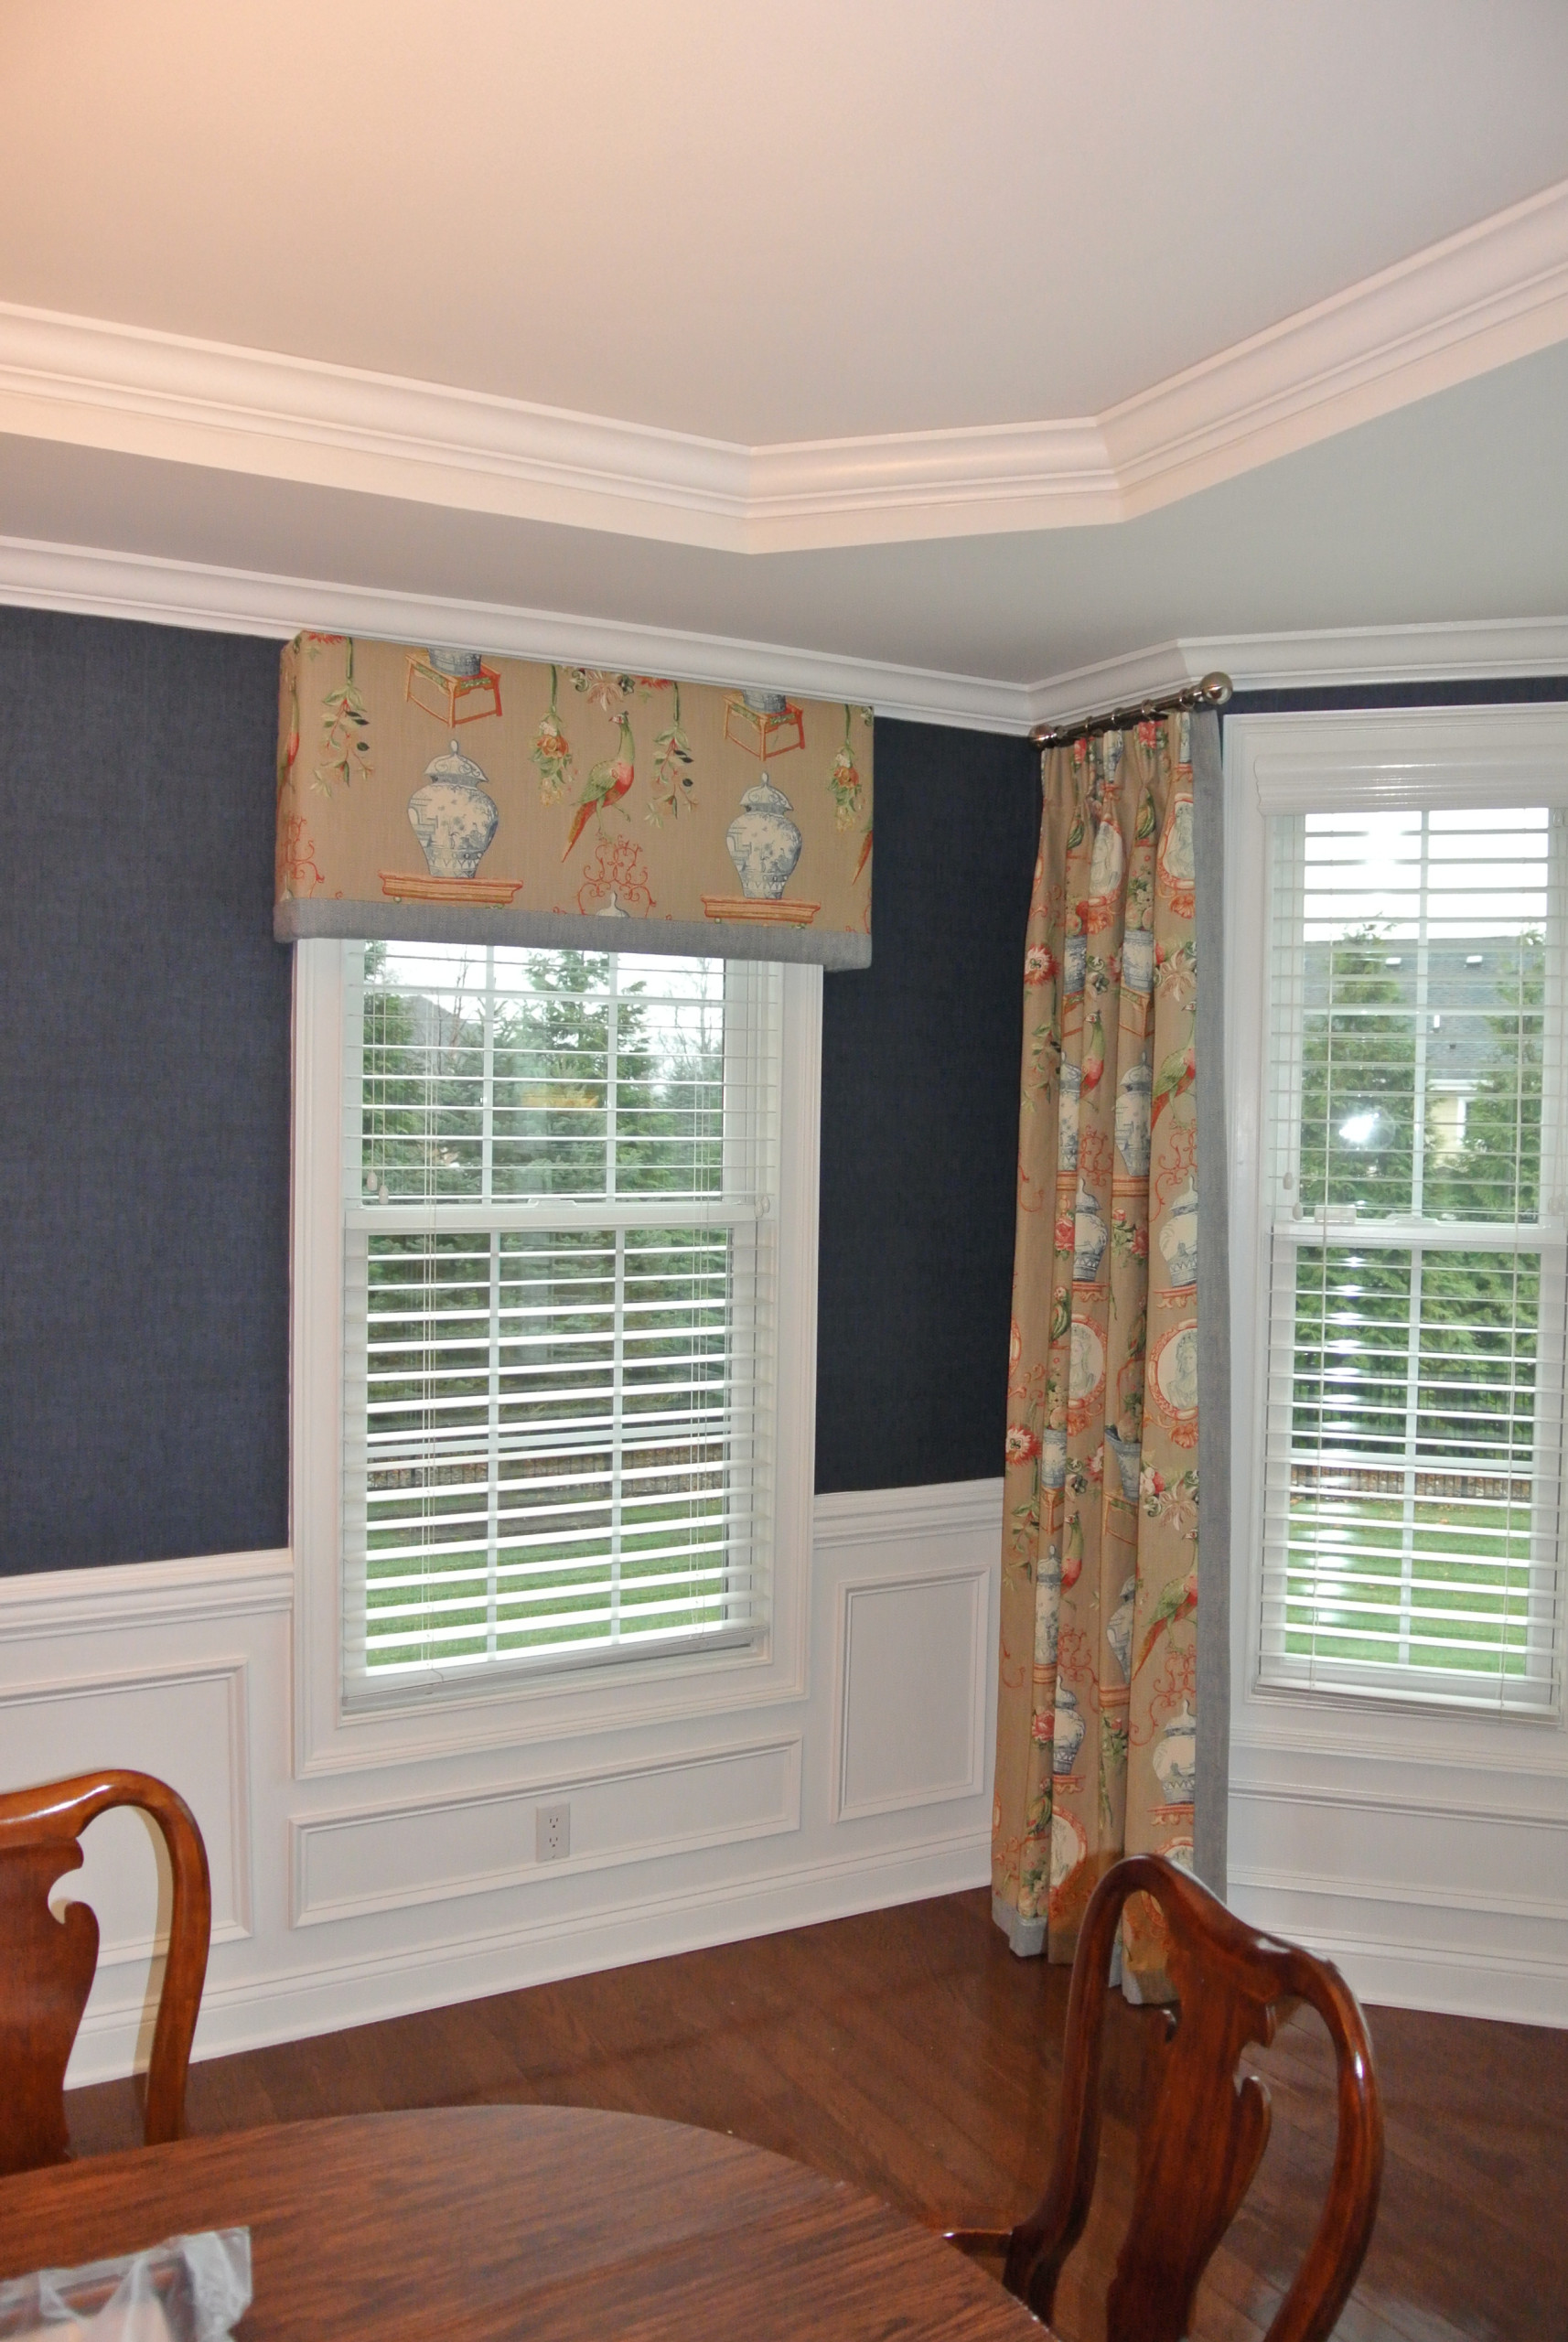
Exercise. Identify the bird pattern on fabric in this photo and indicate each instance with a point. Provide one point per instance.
(606, 784)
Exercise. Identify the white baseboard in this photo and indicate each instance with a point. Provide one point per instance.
(300, 2003)
(1448, 1902)
(1499, 1986)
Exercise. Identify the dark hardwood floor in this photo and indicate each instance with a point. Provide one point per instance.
(910, 2051)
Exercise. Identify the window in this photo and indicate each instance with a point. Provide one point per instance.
(554, 1311)
(557, 1285)
(1414, 1223)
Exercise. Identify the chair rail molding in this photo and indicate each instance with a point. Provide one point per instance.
(1495, 292)
(144, 1594)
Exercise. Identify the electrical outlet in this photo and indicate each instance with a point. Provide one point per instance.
(552, 1829)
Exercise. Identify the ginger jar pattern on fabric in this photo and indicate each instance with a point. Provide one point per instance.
(1133, 1119)
(1138, 960)
(1089, 1237)
(1128, 1455)
(1176, 1757)
(1053, 1458)
(453, 816)
(763, 843)
(603, 783)
(1178, 1238)
(1070, 1728)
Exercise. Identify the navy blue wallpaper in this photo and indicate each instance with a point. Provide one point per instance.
(143, 1097)
(920, 1120)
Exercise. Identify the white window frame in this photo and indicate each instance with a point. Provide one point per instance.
(1322, 761)
(515, 1708)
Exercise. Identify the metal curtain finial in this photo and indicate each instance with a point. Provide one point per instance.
(1214, 690)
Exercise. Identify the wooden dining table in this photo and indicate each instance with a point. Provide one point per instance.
(466, 2224)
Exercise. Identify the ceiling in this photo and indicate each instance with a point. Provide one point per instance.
(1216, 321)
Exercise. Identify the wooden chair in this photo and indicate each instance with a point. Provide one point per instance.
(1204, 2134)
(48, 1963)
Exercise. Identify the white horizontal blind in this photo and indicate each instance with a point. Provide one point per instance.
(558, 1277)
(1416, 1168)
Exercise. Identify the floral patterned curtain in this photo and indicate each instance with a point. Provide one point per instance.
(1096, 1718)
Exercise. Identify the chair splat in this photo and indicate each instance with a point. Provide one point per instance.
(49, 1961)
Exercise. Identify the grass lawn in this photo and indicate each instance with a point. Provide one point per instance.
(1359, 1566)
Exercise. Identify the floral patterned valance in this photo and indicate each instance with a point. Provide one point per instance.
(443, 795)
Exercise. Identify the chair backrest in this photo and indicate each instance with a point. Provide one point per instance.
(48, 1963)
(1204, 2134)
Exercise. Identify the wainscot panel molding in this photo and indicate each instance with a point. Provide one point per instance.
(73, 1723)
(420, 1883)
(910, 1733)
(430, 1852)
(469, 1962)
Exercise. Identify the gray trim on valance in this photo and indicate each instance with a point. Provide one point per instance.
(293, 920)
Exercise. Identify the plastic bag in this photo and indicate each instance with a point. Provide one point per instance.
(190, 2289)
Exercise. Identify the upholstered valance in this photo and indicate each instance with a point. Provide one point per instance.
(442, 795)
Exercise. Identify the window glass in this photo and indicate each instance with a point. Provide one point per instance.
(558, 1268)
(1414, 1412)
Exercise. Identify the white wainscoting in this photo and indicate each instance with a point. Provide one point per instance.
(1435, 1883)
(1428, 1858)
(340, 1900)
(911, 1736)
(387, 1859)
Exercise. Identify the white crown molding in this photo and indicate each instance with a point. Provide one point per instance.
(1130, 676)
(1479, 299)
(1337, 658)
(1496, 291)
(97, 584)
(91, 583)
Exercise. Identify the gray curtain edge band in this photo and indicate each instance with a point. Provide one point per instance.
(1211, 1812)
(295, 921)
(1027, 1938)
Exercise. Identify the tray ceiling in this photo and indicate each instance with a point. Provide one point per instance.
(831, 326)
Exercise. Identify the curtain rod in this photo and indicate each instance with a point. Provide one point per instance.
(1212, 691)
